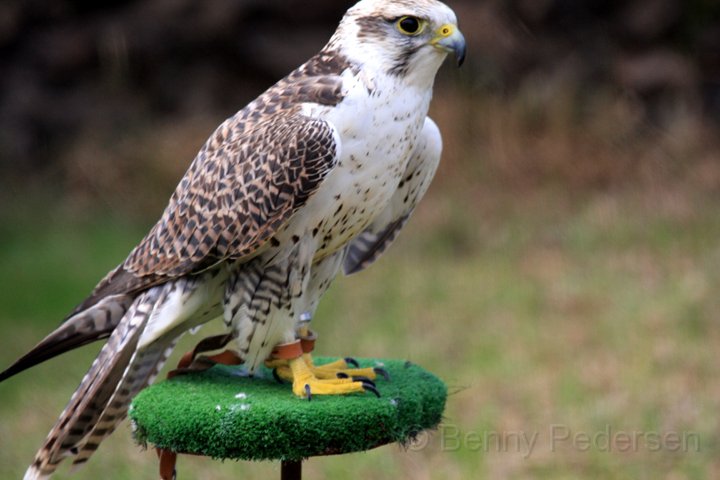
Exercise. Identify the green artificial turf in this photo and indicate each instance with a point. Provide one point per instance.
(220, 414)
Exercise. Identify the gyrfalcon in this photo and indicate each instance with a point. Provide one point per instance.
(318, 174)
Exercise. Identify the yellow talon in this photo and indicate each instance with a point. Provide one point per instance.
(305, 382)
(334, 378)
(332, 369)
(328, 371)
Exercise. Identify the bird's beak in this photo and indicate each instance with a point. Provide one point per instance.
(449, 39)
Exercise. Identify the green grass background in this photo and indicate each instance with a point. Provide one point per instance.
(538, 308)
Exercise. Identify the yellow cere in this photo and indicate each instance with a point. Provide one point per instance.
(446, 30)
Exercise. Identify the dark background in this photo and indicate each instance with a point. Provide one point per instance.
(103, 83)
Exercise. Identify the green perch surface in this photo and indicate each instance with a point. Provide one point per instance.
(221, 414)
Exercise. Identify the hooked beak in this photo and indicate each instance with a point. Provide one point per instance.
(449, 39)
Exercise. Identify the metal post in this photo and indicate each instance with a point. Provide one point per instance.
(291, 470)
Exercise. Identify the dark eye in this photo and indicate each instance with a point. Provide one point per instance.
(410, 25)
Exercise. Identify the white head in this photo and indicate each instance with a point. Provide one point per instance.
(408, 38)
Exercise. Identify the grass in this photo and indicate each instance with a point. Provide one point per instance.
(550, 315)
(201, 414)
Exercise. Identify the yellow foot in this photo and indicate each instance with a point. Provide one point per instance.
(341, 369)
(306, 383)
(333, 370)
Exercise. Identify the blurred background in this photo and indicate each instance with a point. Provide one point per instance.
(563, 270)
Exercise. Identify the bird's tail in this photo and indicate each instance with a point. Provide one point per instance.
(101, 400)
(86, 326)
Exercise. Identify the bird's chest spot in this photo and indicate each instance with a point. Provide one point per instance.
(377, 133)
(353, 204)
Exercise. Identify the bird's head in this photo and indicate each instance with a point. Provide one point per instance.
(408, 38)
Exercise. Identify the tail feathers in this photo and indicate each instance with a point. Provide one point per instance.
(144, 366)
(34, 474)
(98, 386)
(143, 369)
(95, 323)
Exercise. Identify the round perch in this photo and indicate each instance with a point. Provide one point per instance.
(221, 414)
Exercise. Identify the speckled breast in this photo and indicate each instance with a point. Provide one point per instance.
(377, 135)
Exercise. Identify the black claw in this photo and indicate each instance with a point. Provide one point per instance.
(352, 361)
(342, 375)
(371, 388)
(307, 392)
(276, 376)
(360, 378)
(381, 371)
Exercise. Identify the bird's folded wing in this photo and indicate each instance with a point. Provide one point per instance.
(243, 186)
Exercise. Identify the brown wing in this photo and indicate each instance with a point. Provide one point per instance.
(236, 195)
(243, 186)
(257, 169)
(249, 178)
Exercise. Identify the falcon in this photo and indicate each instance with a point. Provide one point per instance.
(318, 174)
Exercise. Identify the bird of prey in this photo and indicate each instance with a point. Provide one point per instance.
(318, 174)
